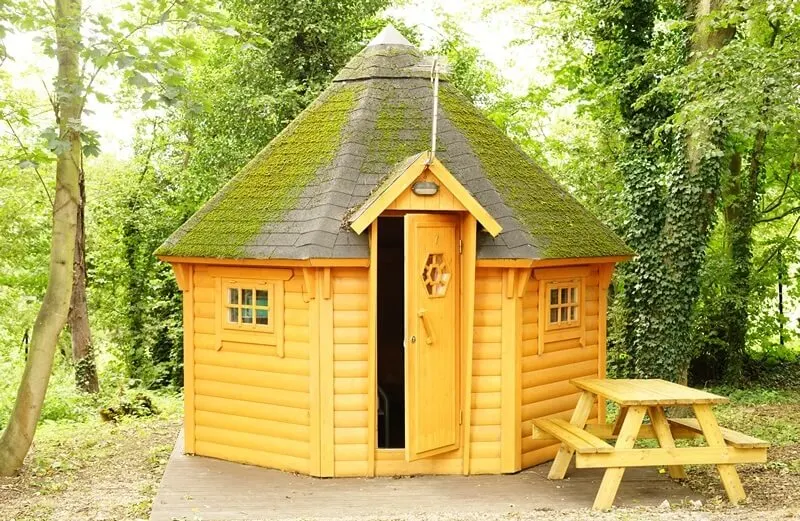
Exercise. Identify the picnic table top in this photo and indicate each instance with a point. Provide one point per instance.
(631, 392)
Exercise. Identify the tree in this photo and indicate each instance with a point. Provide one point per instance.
(18, 434)
(85, 45)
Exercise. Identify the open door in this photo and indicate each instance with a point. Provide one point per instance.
(431, 354)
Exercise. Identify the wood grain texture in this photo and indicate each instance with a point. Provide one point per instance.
(629, 392)
(352, 372)
(486, 387)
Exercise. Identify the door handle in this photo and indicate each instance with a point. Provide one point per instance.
(426, 323)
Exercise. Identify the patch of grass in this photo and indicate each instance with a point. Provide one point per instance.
(759, 396)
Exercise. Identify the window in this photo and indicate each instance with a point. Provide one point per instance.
(436, 275)
(249, 309)
(248, 305)
(563, 304)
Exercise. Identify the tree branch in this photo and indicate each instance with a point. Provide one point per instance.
(788, 212)
(779, 247)
(779, 200)
(28, 156)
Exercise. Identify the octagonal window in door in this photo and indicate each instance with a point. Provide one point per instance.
(436, 275)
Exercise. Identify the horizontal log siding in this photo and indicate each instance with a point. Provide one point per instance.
(485, 427)
(252, 407)
(350, 288)
(546, 391)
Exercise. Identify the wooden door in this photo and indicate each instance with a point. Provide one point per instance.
(432, 325)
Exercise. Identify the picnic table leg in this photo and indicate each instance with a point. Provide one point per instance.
(664, 436)
(626, 439)
(623, 412)
(713, 435)
(579, 417)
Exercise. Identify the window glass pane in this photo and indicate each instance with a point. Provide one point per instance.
(553, 296)
(563, 314)
(572, 296)
(262, 317)
(247, 316)
(564, 293)
(553, 315)
(572, 313)
(233, 295)
(233, 315)
(262, 297)
(247, 297)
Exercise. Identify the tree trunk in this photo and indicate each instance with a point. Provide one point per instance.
(741, 190)
(18, 434)
(82, 348)
(691, 202)
(739, 211)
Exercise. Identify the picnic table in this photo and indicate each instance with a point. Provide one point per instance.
(637, 399)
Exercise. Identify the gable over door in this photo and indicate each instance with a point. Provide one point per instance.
(432, 340)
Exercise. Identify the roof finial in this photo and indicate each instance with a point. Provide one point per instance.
(435, 81)
(389, 36)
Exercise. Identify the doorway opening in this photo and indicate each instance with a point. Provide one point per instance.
(391, 334)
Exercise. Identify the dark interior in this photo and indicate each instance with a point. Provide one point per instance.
(391, 330)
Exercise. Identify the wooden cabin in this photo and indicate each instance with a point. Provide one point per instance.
(355, 305)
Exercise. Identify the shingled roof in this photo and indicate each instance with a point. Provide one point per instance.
(291, 201)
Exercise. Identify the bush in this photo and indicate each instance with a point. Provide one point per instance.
(138, 405)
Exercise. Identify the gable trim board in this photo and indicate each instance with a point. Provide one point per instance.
(403, 177)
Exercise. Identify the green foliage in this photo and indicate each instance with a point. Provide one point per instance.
(689, 136)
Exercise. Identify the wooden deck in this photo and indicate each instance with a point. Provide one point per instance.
(214, 490)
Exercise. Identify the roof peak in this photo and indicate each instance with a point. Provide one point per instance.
(389, 36)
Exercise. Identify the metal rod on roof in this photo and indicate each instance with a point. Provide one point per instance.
(435, 80)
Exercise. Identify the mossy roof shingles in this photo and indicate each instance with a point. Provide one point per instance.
(292, 200)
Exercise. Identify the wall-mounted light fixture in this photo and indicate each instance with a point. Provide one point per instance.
(425, 188)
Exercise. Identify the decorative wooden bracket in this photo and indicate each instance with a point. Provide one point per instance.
(183, 274)
(522, 281)
(309, 284)
(511, 289)
(326, 283)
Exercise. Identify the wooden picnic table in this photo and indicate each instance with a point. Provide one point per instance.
(636, 399)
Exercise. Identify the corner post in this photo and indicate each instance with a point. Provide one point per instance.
(372, 350)
(511, 431)
(605, 272)
(469, 230)
(184, 273)
(326, 389)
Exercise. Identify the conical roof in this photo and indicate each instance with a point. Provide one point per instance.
(292, 200)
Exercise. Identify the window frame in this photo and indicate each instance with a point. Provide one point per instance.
(262, 339)
(560, 275)
(255, 286)
(577, 285)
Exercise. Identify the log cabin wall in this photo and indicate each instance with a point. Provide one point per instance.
(307, 409)
(485, 434)
(351, 392)
(549, 360)
(249, 405)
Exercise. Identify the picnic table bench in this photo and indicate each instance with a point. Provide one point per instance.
(637, 398)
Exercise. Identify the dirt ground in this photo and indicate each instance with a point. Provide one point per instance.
(104, 471)
(90, 471)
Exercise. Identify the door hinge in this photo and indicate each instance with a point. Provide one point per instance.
(460, 246)
(461, 417)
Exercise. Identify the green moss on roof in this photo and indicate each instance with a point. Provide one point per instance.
(560, 225)
(400, 130)
(270, 184)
